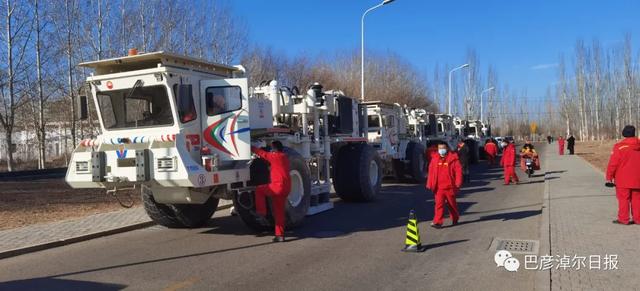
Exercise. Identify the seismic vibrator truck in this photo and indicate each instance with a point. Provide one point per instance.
(181, 129)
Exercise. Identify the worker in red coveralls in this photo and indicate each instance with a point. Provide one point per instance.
(444, 180)
(624, 170)
(278, 189)
(491, 149)
(560, 145)
(508, 162)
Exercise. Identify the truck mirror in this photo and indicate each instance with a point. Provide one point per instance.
(83, 107)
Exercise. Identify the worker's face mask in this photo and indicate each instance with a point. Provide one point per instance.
(504, 144)
(442, 152)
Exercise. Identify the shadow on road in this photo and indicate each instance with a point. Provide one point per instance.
(50, 283)
(149, 262)
(468, 191)
(556, 172)
(502, 209)
(441, 244)
(531, 182)
(390, 210)
(505, 216)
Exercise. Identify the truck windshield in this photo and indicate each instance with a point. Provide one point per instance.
(373, 121)
(146, 107)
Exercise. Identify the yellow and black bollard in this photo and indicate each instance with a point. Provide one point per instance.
(412, 241)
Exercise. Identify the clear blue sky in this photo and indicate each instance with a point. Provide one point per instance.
(522, 39)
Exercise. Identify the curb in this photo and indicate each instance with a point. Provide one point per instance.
(59, 243)
(84, 237)
(542, 279)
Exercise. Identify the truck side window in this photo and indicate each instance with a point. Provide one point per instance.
(184, 101)
(223, 99)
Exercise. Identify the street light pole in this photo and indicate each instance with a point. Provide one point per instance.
(450, 74)
(385, 2)
(482, 103)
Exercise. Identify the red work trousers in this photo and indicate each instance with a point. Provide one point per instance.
(625, 197)
(509, 173)
(278, 203)
(561, 150)
(447, 196)
(491, 160)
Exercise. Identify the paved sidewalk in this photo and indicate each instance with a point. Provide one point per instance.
(580, 210)
(42, 236)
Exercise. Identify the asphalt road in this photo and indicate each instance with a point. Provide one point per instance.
(354, 247)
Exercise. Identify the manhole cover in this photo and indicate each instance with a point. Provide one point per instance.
(517, 246)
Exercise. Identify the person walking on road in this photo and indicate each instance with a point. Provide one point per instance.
(560, 146)
(444, 180)
(491, 149)
(508, 162)
(549, 139)
(624, 170)
(571, 143)
(463, 156)
(278, 189)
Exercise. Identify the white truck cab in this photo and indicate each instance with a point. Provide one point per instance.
(182, 129)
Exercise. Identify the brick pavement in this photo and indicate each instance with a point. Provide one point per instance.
(41, 236)
(580, 213)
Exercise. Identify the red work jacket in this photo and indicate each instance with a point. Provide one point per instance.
(491, 149)
(445, 173)
(509, 156)
(279, 166)
(431, 152)
(624, 164)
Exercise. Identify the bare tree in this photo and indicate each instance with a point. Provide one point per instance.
(17, 32)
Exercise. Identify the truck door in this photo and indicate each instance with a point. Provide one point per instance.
(226, 129)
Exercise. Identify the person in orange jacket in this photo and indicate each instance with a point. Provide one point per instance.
(444, 180)
(278, 188)
(491, 149)
(508, 162)
(624, 169)
(560, 145)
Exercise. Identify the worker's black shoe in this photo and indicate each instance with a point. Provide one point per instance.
(438, 226)
(618, 222)
(278, 239)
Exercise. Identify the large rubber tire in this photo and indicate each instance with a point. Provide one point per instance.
(160, 213)
(357, 173)
(473, 151)
(298, 201)
(244, 204)
(398, 169)
(417, 162)
(178, 215)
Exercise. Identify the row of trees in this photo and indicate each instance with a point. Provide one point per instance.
(42, 41)
(388, 77)
(597, 94)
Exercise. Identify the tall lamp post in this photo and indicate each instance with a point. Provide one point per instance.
(450, 74)
(482, 103)
(385, 2)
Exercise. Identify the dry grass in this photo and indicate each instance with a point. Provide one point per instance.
(30, 202)
(595, 152)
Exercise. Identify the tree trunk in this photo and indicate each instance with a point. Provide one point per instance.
(40, 129)
(70, 75)
(10, 115)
